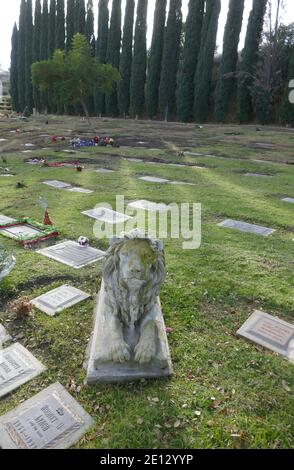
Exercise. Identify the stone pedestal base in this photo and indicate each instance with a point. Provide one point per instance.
(109, 372)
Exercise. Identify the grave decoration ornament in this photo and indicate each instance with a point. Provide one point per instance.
(84, 241)
(129, 340)
(7, 262)
(44, 205)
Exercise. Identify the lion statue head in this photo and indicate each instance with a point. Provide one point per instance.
(133, 273)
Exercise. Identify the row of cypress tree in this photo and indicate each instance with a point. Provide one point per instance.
(173, 79)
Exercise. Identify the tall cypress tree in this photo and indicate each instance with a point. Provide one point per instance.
(90, 21)
(170, 60)
(226, 86)
(101, 50)
(44, 49)
(204, 71)
(21, 62)
(60, 25)
(138, 77)
(52, 26)
(29, 56)
(81, 20)
(154, 65)
(113, 54)
(37, 46)
(13, 70)
(185, 96)
(70, 23)
(126, 59)
(249, 59)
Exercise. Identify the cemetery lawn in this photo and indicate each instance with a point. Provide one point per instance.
(226, 392)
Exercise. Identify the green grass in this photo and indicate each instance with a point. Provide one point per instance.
(244, 394)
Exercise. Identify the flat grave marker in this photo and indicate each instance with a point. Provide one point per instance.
(134, 160)
(59, 299)
(247, 228)
(3, 140)
(20, 231)
(57, 184)
(154, 179)
(148, 206)
(269, 332)
(184, 183)
(5, 220)
(288, 199)
(72, 254)
(104, 170)
(17, 367)
(52, 419)
(80, 190)
(258, 175)
(107, 215)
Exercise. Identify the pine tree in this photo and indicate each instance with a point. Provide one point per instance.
(154, 65)
(81, 20)
(204, 71)
(21, 62)
(101, 51)
(44, 32)
(138, 77)
(13, 70)
(288, 102)
(185, 96)
(37, 46)
(113, 54)
(170, 60)
(29, 56)
(126, 59)
(249, 60)
(52, 26)
(70, 23)
(226, 86)
(60, 25)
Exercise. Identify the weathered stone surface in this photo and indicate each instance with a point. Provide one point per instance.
(288, 199)
(17, 366)
(154, 179)
(50, 420)
(59, 299)
(148, 206)
(6, 220)
(269, 332)
(72, 254)
(129, 340)
(4, 336)
(57, 184)
(248, 228)
(106, 215)
(80, 190)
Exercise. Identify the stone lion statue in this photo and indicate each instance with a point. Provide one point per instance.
(133, 273)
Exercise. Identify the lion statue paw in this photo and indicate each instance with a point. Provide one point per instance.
(145, 351)
(120, 352)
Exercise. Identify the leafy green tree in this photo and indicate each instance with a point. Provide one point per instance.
(70, 76)
(126, 59)
(226, 85)
(204, 71)
(60, 25)
(138, 77)
(185, 96)
(249, 60)
(154, 63)
(37, 46)
(52, 27)
(70, 23)
(21, 59)
(101, 51)
(170, 60)
(113, 54)
(29, 56)
(13, 70)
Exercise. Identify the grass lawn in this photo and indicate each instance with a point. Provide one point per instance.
(225, 393)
